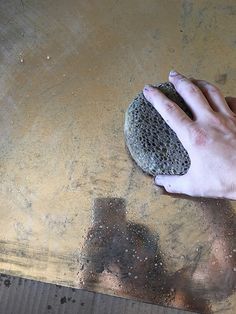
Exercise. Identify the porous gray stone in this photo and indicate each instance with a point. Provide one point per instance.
(151, 142)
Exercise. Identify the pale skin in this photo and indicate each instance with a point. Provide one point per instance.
(210, 138)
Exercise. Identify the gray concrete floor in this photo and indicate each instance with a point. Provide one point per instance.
(22, 296)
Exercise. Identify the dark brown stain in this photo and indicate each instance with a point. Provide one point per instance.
(221, 78)
(109, 208)
(7, 283)
(127, 258)
(126, 250)
(63, 300)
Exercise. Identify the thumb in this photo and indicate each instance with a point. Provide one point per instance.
(175, 184)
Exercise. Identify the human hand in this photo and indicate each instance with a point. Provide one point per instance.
(210, 138)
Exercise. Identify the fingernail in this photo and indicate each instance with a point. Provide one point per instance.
(173, 73)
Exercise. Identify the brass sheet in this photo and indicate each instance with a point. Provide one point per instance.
(75, 209)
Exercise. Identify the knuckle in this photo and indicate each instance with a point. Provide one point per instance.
(170, 107)
(192, 89)
(183, 119)
(214, 119)
(212, 89)
(209, 86)
(187, 86)
(219, 121)
(198, 136)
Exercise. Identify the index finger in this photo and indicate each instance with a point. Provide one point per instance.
(173, 115)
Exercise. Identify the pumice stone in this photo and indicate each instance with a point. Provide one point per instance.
(153, 145)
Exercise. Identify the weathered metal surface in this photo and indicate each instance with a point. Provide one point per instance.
(68, 72)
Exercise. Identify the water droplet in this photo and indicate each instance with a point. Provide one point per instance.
(126, 250)
(48, 57)
(22, 60)
(135, 277)
(234, 269)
